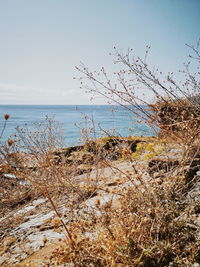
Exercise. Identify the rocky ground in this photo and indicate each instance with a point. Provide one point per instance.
(30, 227)
(31, 232)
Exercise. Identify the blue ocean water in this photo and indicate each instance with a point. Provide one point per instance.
(73, 119)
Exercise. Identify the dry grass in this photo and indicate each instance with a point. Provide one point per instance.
(152, 222)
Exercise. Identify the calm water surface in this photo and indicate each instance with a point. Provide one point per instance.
(73, 118)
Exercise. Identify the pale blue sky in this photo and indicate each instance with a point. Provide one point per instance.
(41, 41)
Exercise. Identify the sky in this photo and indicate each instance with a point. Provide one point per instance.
(41, 42)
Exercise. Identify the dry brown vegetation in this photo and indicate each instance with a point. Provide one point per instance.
(151, 213)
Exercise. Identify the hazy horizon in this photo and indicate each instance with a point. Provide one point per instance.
(42, 41)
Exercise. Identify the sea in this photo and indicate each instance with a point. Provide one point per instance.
(76, 121)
